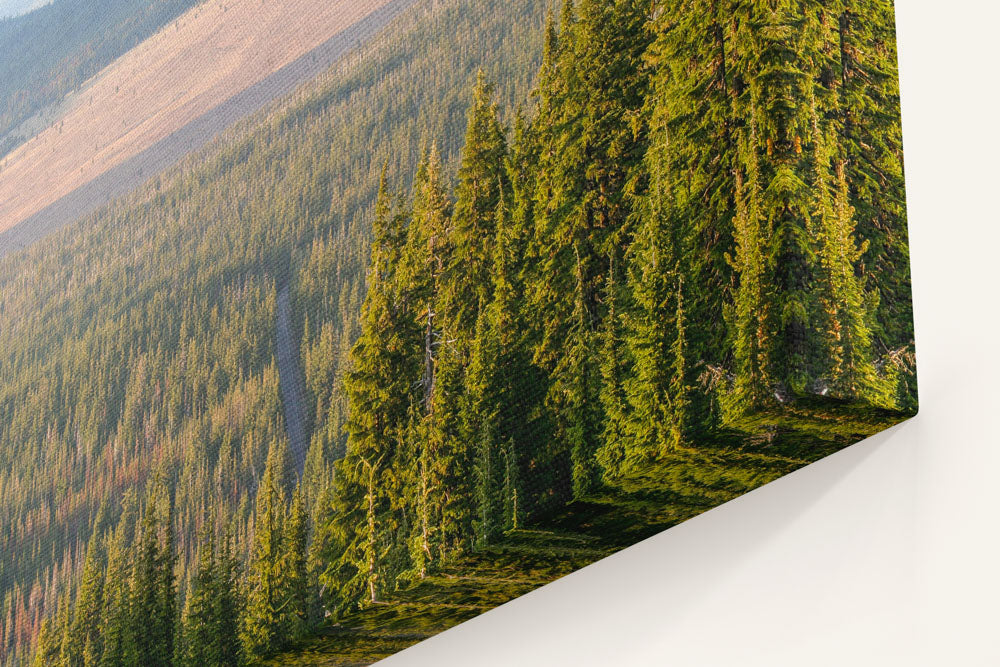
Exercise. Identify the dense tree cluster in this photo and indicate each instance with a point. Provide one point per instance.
(683, 239)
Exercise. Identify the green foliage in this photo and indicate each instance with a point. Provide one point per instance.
(650, 498)
(266, 592)
(684, 241)
(211, 614)
(482, 181)
(751, 143)
(591, 141)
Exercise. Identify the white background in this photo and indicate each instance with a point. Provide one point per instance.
(885, 554)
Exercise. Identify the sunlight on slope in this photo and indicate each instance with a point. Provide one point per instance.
(208, 55)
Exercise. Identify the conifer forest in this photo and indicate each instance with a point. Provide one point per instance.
(513, 286)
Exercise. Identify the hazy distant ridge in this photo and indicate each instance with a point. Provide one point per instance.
(129, 174)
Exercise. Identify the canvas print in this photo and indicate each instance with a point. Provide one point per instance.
(327, 325)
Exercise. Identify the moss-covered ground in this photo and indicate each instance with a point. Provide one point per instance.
(652, 498)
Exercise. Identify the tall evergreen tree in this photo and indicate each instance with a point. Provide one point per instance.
(614, 366)
(295, 565)
(750, 318)
(871, 149)
(849, 366)
(432, 247)
(118, 624)
(481, 411)
(658, 390)
(227, 607)
(153, 589)
(266, 594)
(200, 624)
(85, 630)
(47, 649)
(692, 159)
(482, 178)
(385, 360)
(593, 100)
(499, 393)
(211, 615)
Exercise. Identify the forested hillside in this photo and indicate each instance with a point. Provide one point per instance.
(696, 243)
(141, 341)
(623, 264)
(50, 52)
(684, 269)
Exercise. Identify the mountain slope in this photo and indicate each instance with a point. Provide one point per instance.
(142, 339)
(50, 52)
(214, 65)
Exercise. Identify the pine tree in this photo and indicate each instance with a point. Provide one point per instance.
(200, 624)
(47, 649)
(85, 630)
(431, 245)
(227, 608)
(67, 651)
(463, 292)
(385, 360)
(526, 427)
(614, 373)
(691, 164)
(482, 178)
(870, 146)
(480, 416)
(593, 95)
(265, 590)
(739, 145)
(657, 391)
(153, 591)
(210, 623)
(499, 391)
(785, 73)
(750, 314)
(117, 620)
(167, 603)
(295, 565)
(371, 547)
(849, 367)
(579, 379)
(450, 451)
(424, 536)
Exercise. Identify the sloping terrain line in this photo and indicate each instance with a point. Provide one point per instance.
(208, 56)
(134, 171)
(293, 384)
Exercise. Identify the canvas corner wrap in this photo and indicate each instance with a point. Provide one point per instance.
(484, 292)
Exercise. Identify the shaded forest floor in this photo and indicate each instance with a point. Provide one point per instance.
(652, 498)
